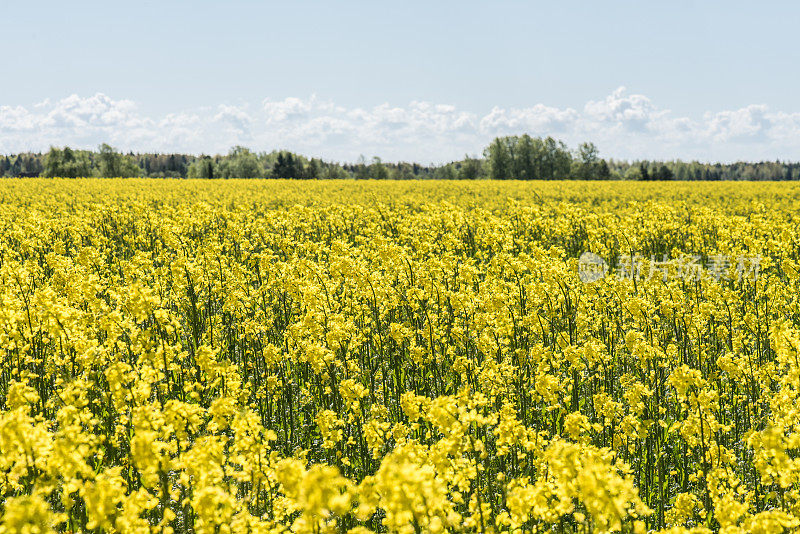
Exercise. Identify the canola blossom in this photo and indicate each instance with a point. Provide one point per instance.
(344, 357)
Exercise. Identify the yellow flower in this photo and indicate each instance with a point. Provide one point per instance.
(27, 515)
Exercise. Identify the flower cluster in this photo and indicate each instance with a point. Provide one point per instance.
(235, 356)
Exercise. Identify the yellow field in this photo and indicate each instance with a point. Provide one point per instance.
(740, 197)
(271, 356)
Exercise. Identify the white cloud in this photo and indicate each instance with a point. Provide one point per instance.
(622, 124)
(235, 117)
(16, 119)
(537, 120)
(288, 109)
(94, 112)
(750, 123)
(634, 113)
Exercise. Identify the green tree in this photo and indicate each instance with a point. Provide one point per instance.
(527, 156)
(66, 163)
(378, 170)
(633, 173)
(644, 174)
(313, 169)
(556, 160)
(586, 167)
(500, 161)
(333, 171)
(471, 169)
(203, 167)
(16, 166)
(445, 172)
(603, 172)
(112, 164)
(361, 171)
(287, 166)
(240, 163)
(663, 173)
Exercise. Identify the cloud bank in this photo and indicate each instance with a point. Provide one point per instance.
(622, 125)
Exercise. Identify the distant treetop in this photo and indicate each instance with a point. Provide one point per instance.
(513, 157)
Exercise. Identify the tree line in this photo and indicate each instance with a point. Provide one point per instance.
(512, 157)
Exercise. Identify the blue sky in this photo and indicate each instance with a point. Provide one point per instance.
(426, 81)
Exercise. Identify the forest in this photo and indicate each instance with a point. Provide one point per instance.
(512, 157)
